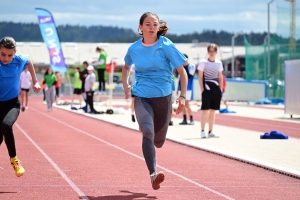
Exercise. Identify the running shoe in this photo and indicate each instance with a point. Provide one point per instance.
(171, 123)
(203, 134)
(156, 179)
(23, 108)
(15, 162)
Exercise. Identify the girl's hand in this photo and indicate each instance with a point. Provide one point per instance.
(181, 104)
(127, 89)
(36, 87)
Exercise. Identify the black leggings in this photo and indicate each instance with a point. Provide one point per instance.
(90, 100)
(9, 112)
(101, 79)
(153, 116)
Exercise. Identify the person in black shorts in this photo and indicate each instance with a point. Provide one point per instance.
(77, 88)
(210, 80)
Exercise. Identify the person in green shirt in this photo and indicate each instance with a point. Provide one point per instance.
(101, 67)
(77, 88)
(50, 81)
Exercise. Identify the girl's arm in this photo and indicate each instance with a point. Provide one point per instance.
(125, 76)
(183, 84)
(36, 85)
(220, 80)
(200, 78)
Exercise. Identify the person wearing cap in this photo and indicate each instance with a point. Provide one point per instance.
(89, 89)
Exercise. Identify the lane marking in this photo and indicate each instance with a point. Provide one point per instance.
(134, 155)
(75, 188)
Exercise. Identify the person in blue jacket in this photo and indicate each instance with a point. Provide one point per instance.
(11, 67)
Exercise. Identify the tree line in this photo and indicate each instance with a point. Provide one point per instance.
(30, 32)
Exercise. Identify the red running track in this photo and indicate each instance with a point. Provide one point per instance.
(70, 156)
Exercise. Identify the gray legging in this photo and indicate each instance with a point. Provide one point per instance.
(153, 116)
(50, 96)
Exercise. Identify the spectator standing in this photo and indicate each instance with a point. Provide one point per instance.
(101, 68)
(89, 89)
(25, 87)
(77, 88)
(211, 84)
(190, 70)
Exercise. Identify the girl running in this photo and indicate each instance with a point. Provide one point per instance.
(153, 56)
(11, 67)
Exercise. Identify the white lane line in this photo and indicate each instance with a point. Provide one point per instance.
(75, 188)
(132, 154)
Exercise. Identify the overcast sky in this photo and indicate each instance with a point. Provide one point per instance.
(185, 16)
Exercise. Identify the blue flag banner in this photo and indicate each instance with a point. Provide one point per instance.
(51, 39)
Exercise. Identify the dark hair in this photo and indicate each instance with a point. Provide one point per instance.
(185, 55)
(78, 68)
(99, 49)
(86, 63)
(8, 43)
(163, 28)
(47, 70)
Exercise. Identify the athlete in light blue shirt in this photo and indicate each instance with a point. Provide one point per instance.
(10, 75)
(153, 67)
(153, 56)
(11, 67)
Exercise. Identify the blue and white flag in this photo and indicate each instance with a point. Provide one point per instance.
(51, 39)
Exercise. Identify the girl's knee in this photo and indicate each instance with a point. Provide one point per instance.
(159, 144)
(5, 127)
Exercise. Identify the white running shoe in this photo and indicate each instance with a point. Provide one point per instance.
(156, 179)
(203, 134)
(211, 135)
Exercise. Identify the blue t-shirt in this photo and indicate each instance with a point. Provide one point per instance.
(153, 67)
(10, 77)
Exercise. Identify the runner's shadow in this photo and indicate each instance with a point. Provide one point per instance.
(130, 196)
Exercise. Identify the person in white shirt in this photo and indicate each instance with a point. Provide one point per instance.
(25, 87)
(210, 80)
(89, 89)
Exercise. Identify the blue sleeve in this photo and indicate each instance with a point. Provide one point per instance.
(127, 58)
(24, 62)
(176, 58)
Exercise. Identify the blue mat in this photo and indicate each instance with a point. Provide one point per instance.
(225, 110)
(274, 135)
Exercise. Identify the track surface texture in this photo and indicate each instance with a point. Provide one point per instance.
(70, 156)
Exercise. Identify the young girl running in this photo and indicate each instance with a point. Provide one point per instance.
(153, 56)
(11, 67)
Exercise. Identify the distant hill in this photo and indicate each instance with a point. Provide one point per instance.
(26, 32)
